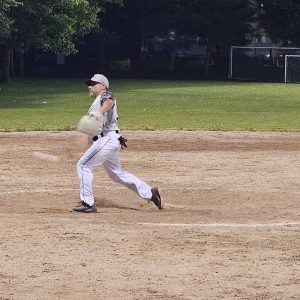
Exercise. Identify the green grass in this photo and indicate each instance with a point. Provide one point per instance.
(154, 104)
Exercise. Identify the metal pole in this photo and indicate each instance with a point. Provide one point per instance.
(230, 65)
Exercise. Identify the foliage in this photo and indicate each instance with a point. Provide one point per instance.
(281, 19)
(6, 21)
(154, 105)
(51, 25)
(221, 21)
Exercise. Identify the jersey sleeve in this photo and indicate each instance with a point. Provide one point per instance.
(107, 95)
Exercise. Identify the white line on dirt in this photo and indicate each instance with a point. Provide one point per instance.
(213, 225)
(198, 225)
(77, 189)
(124, 188)
(36, 191)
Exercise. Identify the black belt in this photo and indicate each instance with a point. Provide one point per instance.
(96, 137)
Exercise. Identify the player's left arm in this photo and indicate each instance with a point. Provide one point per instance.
(107, 105)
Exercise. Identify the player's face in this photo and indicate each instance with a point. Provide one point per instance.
(96, 89)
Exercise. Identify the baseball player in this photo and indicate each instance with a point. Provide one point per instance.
(104, 150)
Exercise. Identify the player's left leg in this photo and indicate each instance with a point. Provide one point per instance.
(115, 172)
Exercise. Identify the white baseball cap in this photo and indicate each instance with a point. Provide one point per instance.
(97, 78)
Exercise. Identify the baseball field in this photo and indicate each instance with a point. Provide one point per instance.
(225, 157)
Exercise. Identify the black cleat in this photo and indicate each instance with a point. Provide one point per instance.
(84, 207)
(156, 199)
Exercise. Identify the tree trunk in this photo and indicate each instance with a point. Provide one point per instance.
(207, 59)
(102, 64)
(171, 49)
(12, 64)
(5, 56)
(172, 61)
(1, 64)
(21, 63)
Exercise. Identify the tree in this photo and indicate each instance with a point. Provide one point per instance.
(119, 23)
(222, 22)
(281, 19)
(6, 23)
(5, 20)
(51, 25)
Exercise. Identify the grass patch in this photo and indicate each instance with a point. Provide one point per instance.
(154, 104)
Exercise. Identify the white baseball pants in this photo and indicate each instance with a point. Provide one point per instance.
(105, 151)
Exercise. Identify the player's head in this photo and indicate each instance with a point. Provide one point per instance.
(97, 84)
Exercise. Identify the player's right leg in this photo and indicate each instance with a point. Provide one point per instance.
(97, 154)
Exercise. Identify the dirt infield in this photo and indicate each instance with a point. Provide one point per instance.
(229, 230)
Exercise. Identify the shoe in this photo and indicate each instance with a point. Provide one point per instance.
(84, 207)
(156, 199)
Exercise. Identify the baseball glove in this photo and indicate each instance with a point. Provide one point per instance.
(91, 124)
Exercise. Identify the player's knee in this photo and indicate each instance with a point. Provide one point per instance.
(115, 176)
(81, 167)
